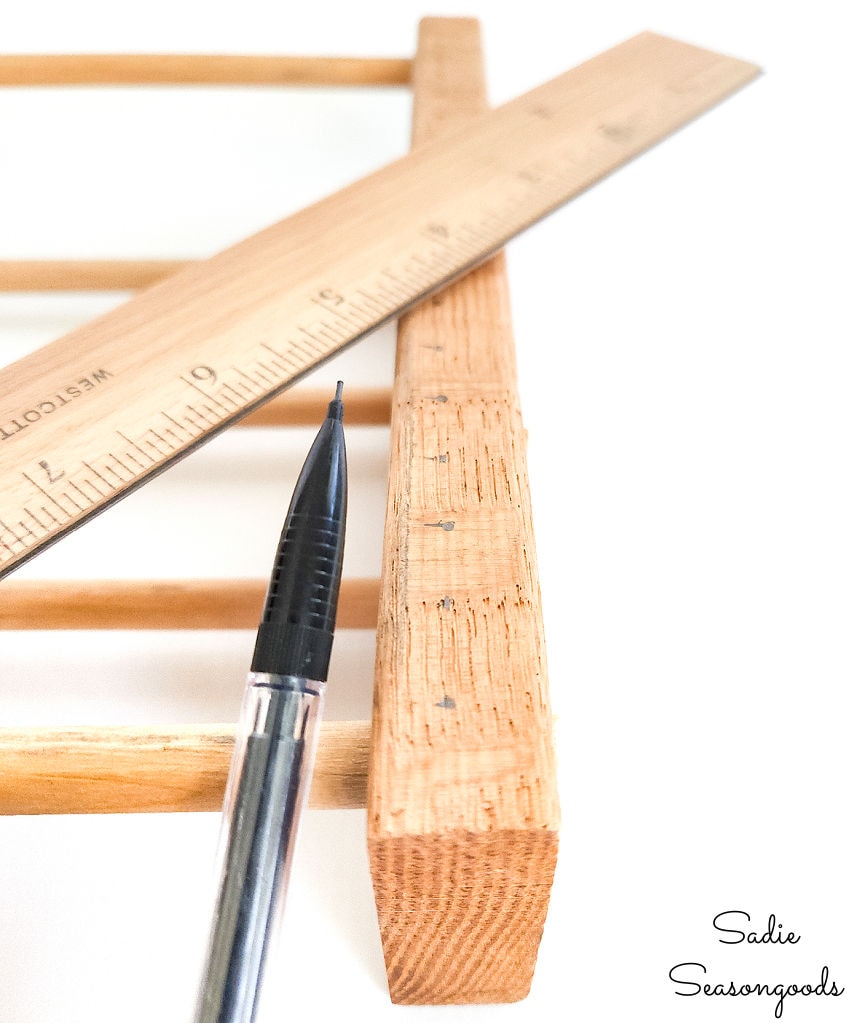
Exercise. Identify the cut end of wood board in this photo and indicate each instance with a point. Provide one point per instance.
(489, 892)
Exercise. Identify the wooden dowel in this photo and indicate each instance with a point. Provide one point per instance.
(85, 274)
(156, 770)
(179, 604)
(364, 406)
(199, 69)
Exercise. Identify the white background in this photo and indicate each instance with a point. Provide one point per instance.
(682, 338)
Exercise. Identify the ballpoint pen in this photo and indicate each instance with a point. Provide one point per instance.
(275, 746)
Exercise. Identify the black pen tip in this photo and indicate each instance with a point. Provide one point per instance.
(335, 407)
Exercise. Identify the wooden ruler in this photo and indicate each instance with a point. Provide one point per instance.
(95, 414)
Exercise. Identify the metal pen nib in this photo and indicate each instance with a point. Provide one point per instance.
(275, 747)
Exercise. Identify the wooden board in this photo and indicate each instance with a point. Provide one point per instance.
(98, 412)
(462, 806)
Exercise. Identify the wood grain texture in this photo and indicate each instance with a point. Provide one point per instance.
(199, 69)
(157, 770)
(161, 604)
(462, 806)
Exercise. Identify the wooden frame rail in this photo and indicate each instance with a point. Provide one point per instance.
(156, 770)
(161, 604)
(199, 69)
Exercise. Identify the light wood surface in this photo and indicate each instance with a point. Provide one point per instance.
(85, 274)
(364, 406)
(161, 604)
(157, 770)
(199, 69)
(94, 414)
(462, 809)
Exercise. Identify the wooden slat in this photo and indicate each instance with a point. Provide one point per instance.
(85, 274)
(462, 805)
(161, 604)
(364, 406)
(199, 69)
(156, 770)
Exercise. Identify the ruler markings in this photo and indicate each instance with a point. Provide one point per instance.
(191, 418)
(135, 445)
(248, 383)
(179, 430)
(15, 537)
(50, 515)
(324, 332)
(224, 399)
(419, 276)
(340, 334)
(154, 446)
(98, 492)
(27, 531)
(82, 494)
(371, 300)
(310, 351)
(99, 476)
(49, 496)
(388, 283)
(169, 431)
(294, 364)
(126, 468)
(437, 261)
(278, 368)
(261, 366)
(274, 351)
(35, 518)
(200, 415)
(206, 394)
(74, 502)
(247, 392)
(236, 399)
(337, 311)
(360, 310)
(160, 438)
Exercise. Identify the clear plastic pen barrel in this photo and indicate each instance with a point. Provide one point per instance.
(273, 760)
(269, 780)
